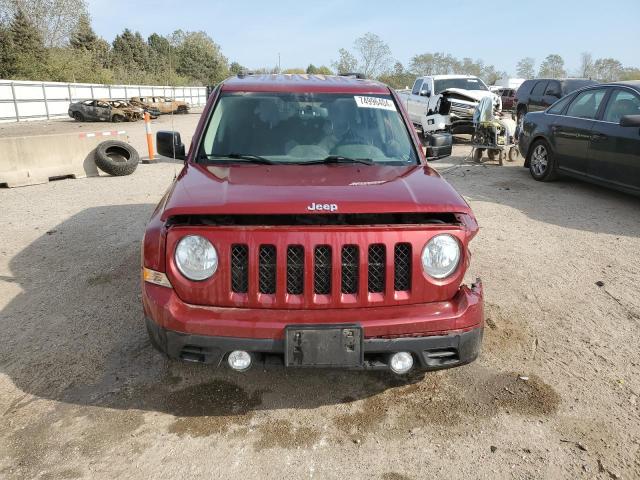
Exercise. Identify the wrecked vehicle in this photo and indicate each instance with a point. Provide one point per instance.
(306, 229)
(105, 111)
(161, 104)
(446, 102)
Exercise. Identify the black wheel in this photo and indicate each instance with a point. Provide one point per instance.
(78, 116)
(118, 118)
(477, 154)
(116, 158)
(541, 162)
(492, 154)
(182, 110)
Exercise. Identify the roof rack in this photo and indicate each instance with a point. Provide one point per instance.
(357, 75)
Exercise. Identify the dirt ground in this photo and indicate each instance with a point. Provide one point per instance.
(553, 395)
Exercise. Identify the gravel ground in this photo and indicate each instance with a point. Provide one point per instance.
(553, 395)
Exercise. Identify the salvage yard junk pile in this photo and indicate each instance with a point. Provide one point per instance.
(28, 100)
(371, 279)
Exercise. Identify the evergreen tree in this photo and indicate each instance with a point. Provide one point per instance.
(83, 37)
(8, 66)
(28, 48)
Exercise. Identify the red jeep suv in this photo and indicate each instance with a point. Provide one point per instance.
(307, 229)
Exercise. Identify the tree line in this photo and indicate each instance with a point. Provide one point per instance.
(601, 69)
(53, 40)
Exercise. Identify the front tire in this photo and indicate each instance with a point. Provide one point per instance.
(542, 165)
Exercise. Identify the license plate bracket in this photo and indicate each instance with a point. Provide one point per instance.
(323, 346)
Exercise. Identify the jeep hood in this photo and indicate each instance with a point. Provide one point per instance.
(471, 95)
(290, 189)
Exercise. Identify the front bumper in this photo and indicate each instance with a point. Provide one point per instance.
(439, 334)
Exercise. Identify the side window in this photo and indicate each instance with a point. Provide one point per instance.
(586, 104)
(558, 107)
(416, 87)
(539, 89)
(621, 103)
(553, 87)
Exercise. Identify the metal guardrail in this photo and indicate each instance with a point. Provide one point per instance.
(47, 106)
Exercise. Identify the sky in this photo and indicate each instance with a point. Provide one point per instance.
(254, 32)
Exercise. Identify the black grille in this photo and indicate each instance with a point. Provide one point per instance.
(402, 266)
(267, 269)
(377, 268)
(350, 269)
(322, 270)
(239, 268)
(295, 269)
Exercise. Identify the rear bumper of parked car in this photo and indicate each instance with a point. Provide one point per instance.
(439, 335)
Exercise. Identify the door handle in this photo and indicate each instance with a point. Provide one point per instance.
(598, 137)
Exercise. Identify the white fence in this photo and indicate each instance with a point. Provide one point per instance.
(25, 100)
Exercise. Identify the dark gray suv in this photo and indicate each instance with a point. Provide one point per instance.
(539, 94)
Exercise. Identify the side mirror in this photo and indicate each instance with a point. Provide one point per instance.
(425, 93)
(170, 145)
(630, 121)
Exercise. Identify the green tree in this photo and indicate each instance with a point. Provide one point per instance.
(312, 69)
(434, 64)
(630, 73)
(375, 55)
(607, 69)
(235, 68)
(398, 77)
(130, 57)
(586, 65)
(198, 57)
(28, 48)
(54, 19)
(8, 60)
(298, 71)
(83, 37)
(346, 62)
(526, 68)
(323, 70)
(552, 67)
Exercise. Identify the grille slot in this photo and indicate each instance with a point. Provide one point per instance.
(267, 269)
(322, 270)
(377, 268)
(295, 269)
(239, 268)
(350, 269)
(402, 267)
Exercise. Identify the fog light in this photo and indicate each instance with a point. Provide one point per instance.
(239, 360)
(401, 362)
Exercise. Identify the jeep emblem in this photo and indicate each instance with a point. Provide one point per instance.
(323, 207)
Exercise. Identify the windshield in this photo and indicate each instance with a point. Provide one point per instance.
(307, 127)
(461, 83)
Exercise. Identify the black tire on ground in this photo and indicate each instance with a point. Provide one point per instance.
(492, 154)
(116, 158)
(183, 110)
(118, 118)
(78, 116)
(542, 165)
(477, 154)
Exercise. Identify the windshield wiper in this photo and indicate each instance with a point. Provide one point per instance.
(240, 156)
(340, 159)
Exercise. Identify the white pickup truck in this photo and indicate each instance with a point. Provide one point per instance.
(445, 103)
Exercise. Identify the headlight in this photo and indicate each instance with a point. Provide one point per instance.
(196, 258)
(440, 257)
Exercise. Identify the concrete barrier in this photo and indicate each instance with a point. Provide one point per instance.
(38, 159)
